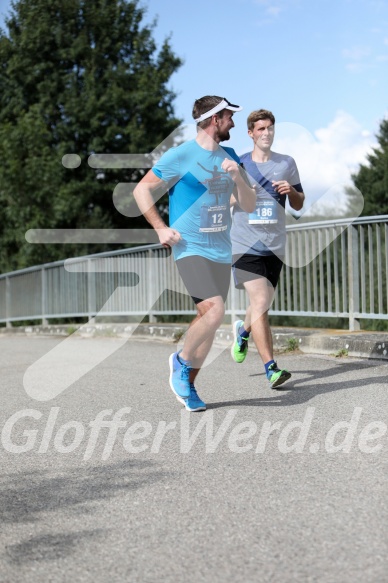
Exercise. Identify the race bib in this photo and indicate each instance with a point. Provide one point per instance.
(213, 218)
(266, 212)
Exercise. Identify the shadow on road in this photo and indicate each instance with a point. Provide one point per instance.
(301, 390)
(29, 497)
(49, 547)
(25, 496)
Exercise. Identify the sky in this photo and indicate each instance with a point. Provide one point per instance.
(320, 66)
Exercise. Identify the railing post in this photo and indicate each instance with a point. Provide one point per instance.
(44, 297)
(8, 314)
(353, 277)
(91, 291)
(151, 285)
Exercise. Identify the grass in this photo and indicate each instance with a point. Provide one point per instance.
(71, 329)
(292, 344)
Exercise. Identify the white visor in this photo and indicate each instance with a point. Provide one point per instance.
(224, 104)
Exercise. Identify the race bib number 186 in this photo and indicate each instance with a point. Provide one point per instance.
(265, 213)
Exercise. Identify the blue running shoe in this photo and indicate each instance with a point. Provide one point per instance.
(194, 402)
(179, 376)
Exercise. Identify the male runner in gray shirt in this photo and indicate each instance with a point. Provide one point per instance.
(259, 239)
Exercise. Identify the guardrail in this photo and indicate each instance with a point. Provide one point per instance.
(331, 270)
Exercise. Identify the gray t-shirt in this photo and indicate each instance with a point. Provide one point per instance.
(263, 232)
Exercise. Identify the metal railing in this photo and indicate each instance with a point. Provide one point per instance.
(331, 270)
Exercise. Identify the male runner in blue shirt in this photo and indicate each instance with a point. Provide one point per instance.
(200, 176)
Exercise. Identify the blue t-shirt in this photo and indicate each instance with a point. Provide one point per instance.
(199, 199)
(263, 232)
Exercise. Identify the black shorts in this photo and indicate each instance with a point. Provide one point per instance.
(203, 278)
(249, 267)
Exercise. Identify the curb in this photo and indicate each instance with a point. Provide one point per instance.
(361, 344)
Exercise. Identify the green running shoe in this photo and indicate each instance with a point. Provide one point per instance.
(240, 345)
(276, 376)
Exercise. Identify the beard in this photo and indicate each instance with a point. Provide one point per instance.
(224, 135)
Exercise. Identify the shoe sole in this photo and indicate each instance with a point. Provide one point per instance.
(282, 379)
(234, 342)
(190, 408)
(171, 364)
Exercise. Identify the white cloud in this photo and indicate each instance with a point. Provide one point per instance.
(328, 158)
(357, 58)
(273, 10)
(356, 53)
(361, 57)
(355, 67)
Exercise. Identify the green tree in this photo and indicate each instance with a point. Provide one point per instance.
(372, 178)
(76, 77)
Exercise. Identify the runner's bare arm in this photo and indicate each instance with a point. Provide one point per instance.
(143, 195)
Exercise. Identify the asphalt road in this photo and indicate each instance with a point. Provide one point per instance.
(266, 486)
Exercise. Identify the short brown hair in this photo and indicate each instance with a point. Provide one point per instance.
(259, 114)
(204, 104)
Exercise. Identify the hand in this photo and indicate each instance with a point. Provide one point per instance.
(231, 167)
(282, 187)
(168, 237)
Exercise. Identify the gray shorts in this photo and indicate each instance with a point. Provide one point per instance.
(203, 278)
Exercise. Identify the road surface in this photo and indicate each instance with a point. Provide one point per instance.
(111, 480)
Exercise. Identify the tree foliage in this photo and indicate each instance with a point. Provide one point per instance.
(372, 178)
(76, 77)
